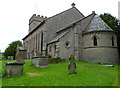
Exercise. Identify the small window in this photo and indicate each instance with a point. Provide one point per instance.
(55, 47)
(50, 48)
(67, 44)
(112, 41)
(95, 41)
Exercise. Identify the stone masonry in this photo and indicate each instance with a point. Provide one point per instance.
(71, 33)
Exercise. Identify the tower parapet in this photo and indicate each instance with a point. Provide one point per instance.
(35, 20)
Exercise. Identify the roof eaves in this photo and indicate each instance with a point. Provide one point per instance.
(97, 31)
(56, 40)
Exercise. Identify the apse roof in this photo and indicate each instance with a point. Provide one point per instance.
(97, 24)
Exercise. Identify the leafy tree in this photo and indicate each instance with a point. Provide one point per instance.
(114, 24)
(11, 49)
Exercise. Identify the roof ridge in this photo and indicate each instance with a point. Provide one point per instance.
(90, 21)
(84, 18)
(65, 11)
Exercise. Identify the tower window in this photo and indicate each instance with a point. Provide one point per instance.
(112, 41)
(95, 41)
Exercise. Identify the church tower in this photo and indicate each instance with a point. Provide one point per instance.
(34, 21)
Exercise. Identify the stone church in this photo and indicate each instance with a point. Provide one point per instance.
(70, 32)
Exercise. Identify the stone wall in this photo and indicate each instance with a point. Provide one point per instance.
(64, 51)
(104, 52)
(51, 49)
(101, 55)
(104, 39)
(33, 43)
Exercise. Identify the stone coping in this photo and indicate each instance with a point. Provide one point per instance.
(14, 63)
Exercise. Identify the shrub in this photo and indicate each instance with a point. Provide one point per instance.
(56, 60)
(49, 56)
(39, 54)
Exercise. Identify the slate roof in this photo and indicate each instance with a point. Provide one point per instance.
(67, 26)
(84, 22)
(58, 37)
(97, 24)
(59, 20)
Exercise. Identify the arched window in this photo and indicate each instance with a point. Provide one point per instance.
(112, 41)
(95, 41)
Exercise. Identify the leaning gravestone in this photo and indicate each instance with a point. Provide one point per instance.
(14, 68)
(40, 62)
(71, 65)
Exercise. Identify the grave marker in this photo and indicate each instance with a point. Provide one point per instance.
(71, 65)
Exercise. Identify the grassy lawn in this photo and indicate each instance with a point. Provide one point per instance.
(88, 74)
(0, 74)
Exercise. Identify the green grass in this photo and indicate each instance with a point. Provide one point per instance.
(88, 74)
(0, 74)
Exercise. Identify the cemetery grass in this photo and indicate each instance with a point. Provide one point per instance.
(88, 74)
(0, 74)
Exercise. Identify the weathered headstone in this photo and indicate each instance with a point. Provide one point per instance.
(20, 54)
(41, 62)
(10, 57)
(14, 68)
(71, 65)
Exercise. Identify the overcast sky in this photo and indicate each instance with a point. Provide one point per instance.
(15, 14)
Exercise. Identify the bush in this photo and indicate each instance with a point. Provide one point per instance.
(49, 56)
(51, 60)
(39, 54)
(56, 60)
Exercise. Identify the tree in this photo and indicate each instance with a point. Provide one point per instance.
(114, 24)
(11, 49)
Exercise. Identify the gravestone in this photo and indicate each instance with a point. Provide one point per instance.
(71, 65)
(21, 54)
(10, 57)
(14, 68)
(40, 62)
